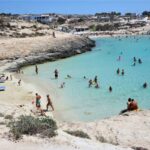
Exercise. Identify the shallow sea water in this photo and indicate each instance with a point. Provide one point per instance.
(77, 102)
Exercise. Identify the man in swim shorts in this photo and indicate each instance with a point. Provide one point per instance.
(49, 103)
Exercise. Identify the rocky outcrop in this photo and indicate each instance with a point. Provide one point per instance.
(131, 130)
(30, 51)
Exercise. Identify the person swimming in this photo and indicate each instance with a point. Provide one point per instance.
(69, 76)
(145, 85)
(134, 64)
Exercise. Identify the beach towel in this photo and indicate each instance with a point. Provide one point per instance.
(2, 88)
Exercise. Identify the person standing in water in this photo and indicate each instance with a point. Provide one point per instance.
(134, 59)
(145, 85)
(122, 72)
(49, 103)
(95, 79)
(90, 83)
(140, 61)
(36, 69)
(56, 73)
(110, 89)
(118, 71)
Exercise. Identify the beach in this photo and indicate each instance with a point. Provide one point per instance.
(17, 100)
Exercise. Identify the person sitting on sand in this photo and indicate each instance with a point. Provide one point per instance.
(145, 85)
(90, 83)
(49, 103)
(128, 106)
(133, 105)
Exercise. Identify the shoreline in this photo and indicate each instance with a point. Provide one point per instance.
(96, 119)
(116, 130)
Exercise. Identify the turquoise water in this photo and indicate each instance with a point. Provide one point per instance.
(77, 101)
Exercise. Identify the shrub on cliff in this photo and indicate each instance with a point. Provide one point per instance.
(78, 134)
(29, 125)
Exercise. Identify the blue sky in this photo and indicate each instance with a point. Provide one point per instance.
(73, 6)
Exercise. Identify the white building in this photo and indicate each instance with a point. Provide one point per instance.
(39, 18)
